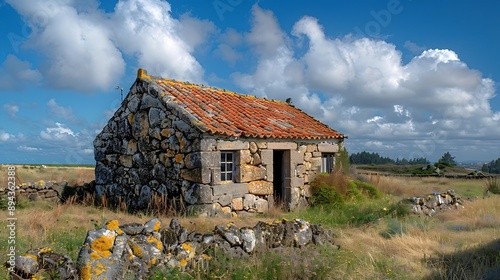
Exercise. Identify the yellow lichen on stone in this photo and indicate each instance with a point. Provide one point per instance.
(187, 247)
(183, 262)
(85, 272)
(131, 118)
(112, 225)
(98, 269)
(206, 257)
(142, 74)
(158, 244)
(31, 256)
(45, 250)
(99, 255)
(178, 158)
(157, 226)
(102, 244)
(136, 250)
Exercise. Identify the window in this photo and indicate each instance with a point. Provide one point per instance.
(226, 166)
(327, 162)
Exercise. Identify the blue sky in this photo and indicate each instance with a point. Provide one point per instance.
(402, 78)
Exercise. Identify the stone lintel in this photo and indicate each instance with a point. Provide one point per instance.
(282, 146)
(236, 190)
(225, 145)
(328, 147)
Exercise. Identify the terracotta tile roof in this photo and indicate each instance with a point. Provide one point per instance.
(218, 111)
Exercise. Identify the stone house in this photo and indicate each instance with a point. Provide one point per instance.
(209, 150)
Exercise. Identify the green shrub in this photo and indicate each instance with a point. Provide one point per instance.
(492, 185)
(368, 188)
(324, 194)
(354, 193)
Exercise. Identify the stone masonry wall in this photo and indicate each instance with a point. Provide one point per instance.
(149, 147)
(252, 189)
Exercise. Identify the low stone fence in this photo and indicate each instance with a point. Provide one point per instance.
(132, 250)
(429, 204)
(40, 190)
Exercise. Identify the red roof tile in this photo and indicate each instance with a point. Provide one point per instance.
(218, 111)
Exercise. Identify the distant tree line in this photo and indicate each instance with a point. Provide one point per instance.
(492, 167)
(374, 158)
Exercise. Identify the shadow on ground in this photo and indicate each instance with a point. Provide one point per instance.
(482, 262)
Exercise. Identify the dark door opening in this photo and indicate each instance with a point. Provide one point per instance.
(281, 178)
(278, 177)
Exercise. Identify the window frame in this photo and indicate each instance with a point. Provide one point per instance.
(329, 159)
(226, 172)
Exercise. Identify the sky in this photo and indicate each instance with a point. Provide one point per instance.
(402, 78)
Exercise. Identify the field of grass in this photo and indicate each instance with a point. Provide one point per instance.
(73, 175)
(376, 240)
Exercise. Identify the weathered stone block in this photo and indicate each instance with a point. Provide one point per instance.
(262, 145)
(316, 154)
(245, 157)
(237, 204)
(208, 144)
(149, 101)
(282, 146)
(301, 170)
(223, 200)
(133, 103)
(266, 156)
(232, 145)
(311, 148)
(270, 173)
(249, 201)
(261, 205)
(260, 187)
(154, 117)
(199, 175)
(197, 193)
(307, 192)
(181, 125)
(167, 132)
(315, 163)
(247, 173)
(140, 125)
(256, 160)
(131, 146)
(126, 160)
(252, 146)
(296, 157)
(307, 156)
(296, 182)
(236, 190)
(328, 147)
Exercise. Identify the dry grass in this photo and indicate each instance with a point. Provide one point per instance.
(424, 250)
(75, 176)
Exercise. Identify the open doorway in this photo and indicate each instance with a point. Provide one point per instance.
(281, 177)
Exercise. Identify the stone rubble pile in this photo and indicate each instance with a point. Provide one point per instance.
(428, 205)
(132, 250)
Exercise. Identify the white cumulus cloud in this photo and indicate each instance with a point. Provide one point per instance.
(57, 133)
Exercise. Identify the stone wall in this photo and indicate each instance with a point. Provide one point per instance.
(130, 251)
(150, 147)
(40, 190)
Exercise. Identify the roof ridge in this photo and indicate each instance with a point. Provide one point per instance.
(143, 74)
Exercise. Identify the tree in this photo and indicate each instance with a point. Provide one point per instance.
(447, 159)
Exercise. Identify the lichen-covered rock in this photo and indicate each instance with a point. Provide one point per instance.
(130, 251)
